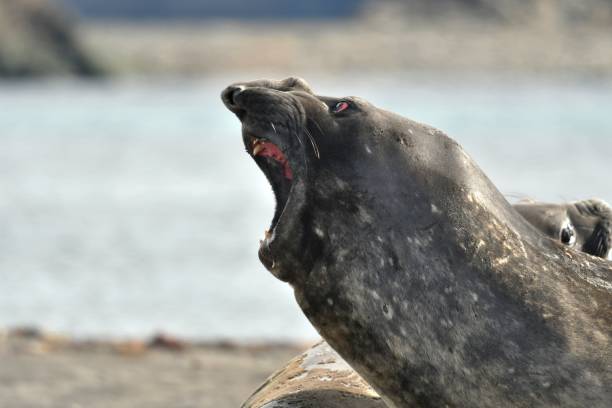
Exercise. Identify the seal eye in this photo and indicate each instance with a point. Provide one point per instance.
(568, 236)
(341, 106)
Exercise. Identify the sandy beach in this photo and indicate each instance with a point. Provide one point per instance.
(46, 370)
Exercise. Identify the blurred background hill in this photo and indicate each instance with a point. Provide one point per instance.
(506, 11)
(199, 37)
(37, 37)
(496, 10)
(206, 9)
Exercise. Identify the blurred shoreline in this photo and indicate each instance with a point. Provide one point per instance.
(37, 340)
(337, 47)
(51, 370)
(43, 37)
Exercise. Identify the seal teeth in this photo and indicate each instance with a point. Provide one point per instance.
(257, 148)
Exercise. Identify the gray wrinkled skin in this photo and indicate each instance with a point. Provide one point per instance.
(412, 265)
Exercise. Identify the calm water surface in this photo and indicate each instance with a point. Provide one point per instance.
(131, 207)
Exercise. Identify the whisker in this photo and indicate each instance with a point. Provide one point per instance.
(297, 136)
(317, 125)
(273, 127)
(313, 143)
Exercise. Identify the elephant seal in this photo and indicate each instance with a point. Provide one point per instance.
(323, 381)
(318, 378)
(585, 225)
(413, 267)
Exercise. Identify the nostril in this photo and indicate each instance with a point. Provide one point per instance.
(233, 94)
(230, 94)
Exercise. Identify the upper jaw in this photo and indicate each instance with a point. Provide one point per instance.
(269, 115)
(278, 141)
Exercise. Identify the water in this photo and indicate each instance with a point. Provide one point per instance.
(130, 207)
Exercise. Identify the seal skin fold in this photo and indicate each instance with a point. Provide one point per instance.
(417, 271)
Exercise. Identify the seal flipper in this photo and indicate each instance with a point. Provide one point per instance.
(599, 244)
(600, 241)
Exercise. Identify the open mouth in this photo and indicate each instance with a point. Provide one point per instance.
(275, 165)
(273, 119)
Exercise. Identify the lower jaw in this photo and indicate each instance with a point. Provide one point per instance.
(265, 255)
(284, 251)
(277, 250)
(267, 258)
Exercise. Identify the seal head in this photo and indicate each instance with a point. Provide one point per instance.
(299, 139)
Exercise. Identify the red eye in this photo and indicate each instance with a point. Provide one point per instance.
(341, 106)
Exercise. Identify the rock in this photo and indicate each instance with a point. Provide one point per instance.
(38, 38)
(167, 342)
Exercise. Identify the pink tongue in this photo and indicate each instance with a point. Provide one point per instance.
(270, 150)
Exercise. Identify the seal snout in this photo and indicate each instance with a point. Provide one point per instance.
(230, 95)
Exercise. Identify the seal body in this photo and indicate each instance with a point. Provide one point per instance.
(321, 378)
(318, 378)
(412, 265)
